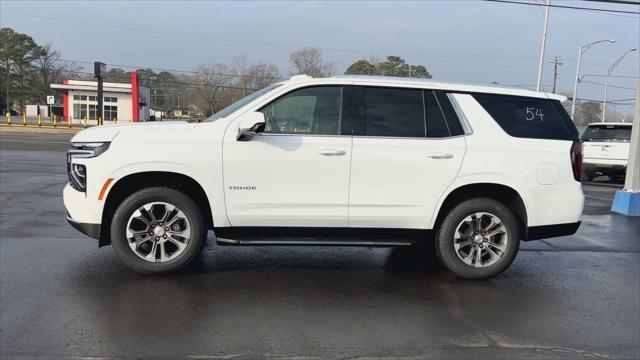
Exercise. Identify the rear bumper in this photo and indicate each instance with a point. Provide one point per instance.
(604, 167)
(550, 231)
(91, 230)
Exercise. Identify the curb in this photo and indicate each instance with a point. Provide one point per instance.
(42, 127)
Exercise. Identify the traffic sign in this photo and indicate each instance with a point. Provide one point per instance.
(50, 100)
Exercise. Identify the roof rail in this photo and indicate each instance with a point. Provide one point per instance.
(300, 77)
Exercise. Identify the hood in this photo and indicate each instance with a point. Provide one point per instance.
(109, 132)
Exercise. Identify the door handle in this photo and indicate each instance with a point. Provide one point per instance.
(440, 156)
(331, 152)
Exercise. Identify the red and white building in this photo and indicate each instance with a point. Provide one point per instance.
(122, 102)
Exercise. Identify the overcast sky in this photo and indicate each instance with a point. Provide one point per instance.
(460, 40)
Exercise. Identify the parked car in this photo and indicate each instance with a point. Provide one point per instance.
(360, 161)
(606, 150)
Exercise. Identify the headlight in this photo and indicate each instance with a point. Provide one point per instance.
(78, 172)
(87, 150)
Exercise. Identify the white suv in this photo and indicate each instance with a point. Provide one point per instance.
(606, 150)
(365, 161)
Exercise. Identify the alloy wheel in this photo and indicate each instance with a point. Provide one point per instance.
(480, 239)
(158, 232)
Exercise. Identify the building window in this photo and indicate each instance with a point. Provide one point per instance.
(93, 98)
(110, 112)
(83, 97)
(79, 111)
(92, 111)
(76, 97)
(110, 99)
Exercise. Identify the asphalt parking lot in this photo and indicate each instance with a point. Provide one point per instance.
(62, 297)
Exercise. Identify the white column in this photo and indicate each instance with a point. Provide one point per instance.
(632, 181)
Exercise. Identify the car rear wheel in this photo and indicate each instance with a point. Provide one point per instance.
(157, 230)
(478, 239)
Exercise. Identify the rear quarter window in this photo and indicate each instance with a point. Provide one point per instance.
(529, 117)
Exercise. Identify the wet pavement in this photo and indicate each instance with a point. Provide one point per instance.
(62, 297)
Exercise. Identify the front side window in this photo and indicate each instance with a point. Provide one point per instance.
(313, 110)
(394, 112)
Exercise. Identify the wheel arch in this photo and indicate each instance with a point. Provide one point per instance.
(504, 194)
(138, 181)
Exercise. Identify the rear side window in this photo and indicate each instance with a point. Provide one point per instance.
(529, 117)
(607, 133)
(449, 113)
(393, 112)
(436, 124)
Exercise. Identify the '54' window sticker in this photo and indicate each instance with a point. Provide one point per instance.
(533, 112)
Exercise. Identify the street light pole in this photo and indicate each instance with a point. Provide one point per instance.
(606, 81)
(581, 50)
(544, 44)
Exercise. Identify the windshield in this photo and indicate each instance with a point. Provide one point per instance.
(607, 133)
(242, 102)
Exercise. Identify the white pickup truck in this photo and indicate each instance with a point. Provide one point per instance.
(365, 161)
(606, 150)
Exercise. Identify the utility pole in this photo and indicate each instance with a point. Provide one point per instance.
(99, 71)
(8, 73)
(544, 44)
(556, 62)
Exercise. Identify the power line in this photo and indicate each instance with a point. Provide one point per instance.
(175, 70)
(623, 2)
(281, 45)
(566, 7)
(147, 81)
(611, 86)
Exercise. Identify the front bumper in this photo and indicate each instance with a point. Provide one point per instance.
(91, 230)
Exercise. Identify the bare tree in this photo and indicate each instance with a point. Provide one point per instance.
(309, 61)
(213, 80)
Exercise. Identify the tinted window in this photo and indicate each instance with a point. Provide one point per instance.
(449, 114)
(607, 133)
(394, 112)
(436, 124)
(314, 110)
(528, 117)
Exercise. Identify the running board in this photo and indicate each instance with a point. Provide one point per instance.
(312, 242)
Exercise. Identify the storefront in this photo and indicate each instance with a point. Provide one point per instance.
(121, 101)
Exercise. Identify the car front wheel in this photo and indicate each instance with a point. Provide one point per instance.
(157, 230)
(478, 239)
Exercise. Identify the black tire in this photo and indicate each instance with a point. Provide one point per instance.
(157, 194)
(445, 238)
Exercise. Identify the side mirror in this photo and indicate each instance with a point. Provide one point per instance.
(250, 125)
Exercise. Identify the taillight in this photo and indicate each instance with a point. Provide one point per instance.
(576, 160)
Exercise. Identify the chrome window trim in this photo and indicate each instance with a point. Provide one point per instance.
(466, 126)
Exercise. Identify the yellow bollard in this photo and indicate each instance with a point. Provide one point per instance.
(54, 120)
(39, 120)
(100, 122)
(85, 122)
(9, 118)
(70, 118)
(24, 119)
(115, 120)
